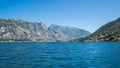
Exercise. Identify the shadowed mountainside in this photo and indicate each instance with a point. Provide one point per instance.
(108, 32)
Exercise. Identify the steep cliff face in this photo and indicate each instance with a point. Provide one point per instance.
(21, 30)
(66, 33)
(108, 32)
(11, 29)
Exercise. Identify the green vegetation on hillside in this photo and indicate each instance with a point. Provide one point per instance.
(108, 32)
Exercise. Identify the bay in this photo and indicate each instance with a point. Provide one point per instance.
(60, 55)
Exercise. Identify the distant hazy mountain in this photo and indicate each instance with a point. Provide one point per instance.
(20, 30)
(66, 33)
(108, 32)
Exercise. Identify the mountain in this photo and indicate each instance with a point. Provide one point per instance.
(108, 32)
(66, 33)
(21, 30)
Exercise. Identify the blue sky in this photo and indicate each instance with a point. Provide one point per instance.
(84, 14)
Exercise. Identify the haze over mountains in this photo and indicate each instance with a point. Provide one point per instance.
(108, 32)
(21, 30)
(67, 33)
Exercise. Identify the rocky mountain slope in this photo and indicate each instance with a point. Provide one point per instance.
(67, 33)
(108, 32)
(21, 30)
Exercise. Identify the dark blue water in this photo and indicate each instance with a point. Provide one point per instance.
(60, 55)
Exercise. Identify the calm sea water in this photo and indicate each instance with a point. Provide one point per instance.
(60, 55)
